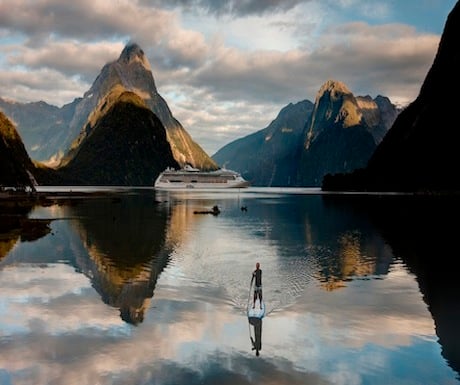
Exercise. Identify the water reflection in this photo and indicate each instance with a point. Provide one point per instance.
(340, 285)
(15, 225)
(256, 336)
(125, 241)
(421, 233)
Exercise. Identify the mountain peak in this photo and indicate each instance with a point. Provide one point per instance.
(333, 88)
(134, 53)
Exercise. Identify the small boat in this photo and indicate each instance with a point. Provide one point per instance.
(190, 177)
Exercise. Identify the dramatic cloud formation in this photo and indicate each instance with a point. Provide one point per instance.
(225, 68)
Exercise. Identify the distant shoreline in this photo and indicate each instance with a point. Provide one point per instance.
(49, 193)
(43, 196)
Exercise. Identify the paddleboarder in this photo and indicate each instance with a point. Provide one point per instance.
(257, 276)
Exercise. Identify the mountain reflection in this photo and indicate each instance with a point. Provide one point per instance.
(16, 226)
(130, 241)
(421, 234)
(425, 238)
(354, 249)
(125, 240)
(340, 280)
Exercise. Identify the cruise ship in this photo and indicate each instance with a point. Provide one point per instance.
(190, 177)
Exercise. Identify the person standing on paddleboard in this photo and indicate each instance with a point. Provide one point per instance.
(257, 276)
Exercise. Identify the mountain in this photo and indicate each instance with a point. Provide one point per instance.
(379, 114)
(42, 127)
(49, 132)
(266, 157)
(16, 168)
(133, 73)
(306, 141)
(341, 133)
(126, 146)
(420, 151)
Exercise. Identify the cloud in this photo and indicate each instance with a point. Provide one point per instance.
(357, 54)
(238, 8)
(40, 85)
(87, 19)
(239, 59)
(390, 60)
(376, 59)
(68, 57)
(179, 50)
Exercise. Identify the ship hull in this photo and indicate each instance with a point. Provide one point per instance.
(195, 179)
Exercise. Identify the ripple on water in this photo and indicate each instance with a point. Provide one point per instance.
(285, 278)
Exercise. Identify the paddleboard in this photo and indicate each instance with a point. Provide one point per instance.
(258, 311)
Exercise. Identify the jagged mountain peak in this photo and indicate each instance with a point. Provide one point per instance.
(132, 72)
(334, 88)
(134, 53)
(55, 133)
(335, 105)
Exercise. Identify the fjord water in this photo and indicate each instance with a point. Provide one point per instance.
(136, 287)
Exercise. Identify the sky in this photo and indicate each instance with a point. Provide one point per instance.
(225, 68)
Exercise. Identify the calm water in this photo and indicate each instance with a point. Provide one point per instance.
(136, 288)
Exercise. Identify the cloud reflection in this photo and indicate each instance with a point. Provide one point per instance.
(51, 297)
(55, 328)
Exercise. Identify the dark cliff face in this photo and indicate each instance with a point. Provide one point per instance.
(16, 168)
(127, 146)
(420, 151)
(388, 114)
(335, 150)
